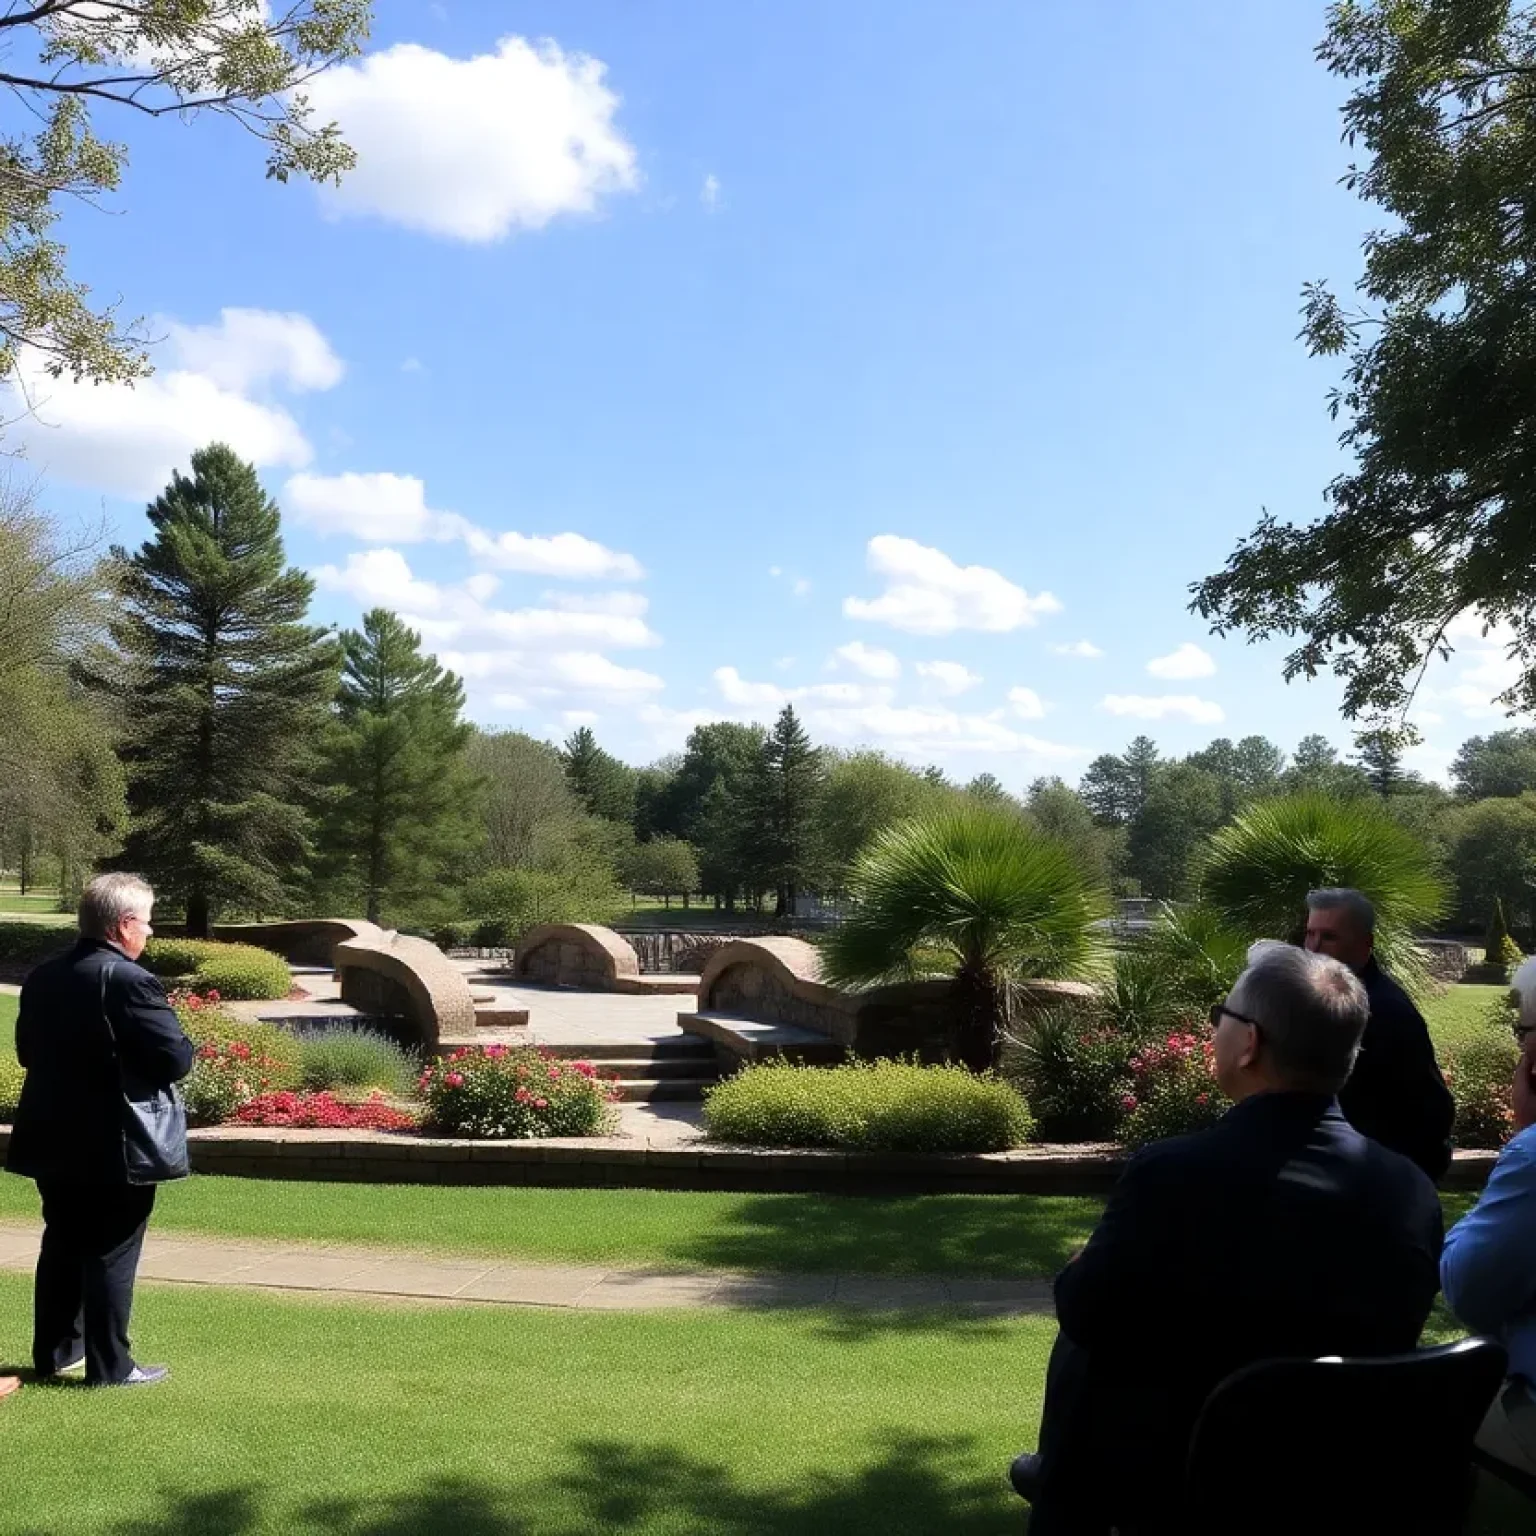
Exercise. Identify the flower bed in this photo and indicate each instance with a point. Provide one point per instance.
(1173, 1089)
(502, 1093)
(323, 1111)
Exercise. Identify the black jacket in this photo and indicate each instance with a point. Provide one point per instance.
(1396, 1094)
(69, 1121)
(1281, 1231)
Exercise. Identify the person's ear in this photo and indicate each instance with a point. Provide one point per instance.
(1249, 1054)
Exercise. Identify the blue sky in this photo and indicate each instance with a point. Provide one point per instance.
(664, 361)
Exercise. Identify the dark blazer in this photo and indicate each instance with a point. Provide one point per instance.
(1281, 1231)
(1396, 1094)
(69, 1122)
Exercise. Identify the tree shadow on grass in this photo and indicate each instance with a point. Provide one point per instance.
(909, 1487)
(999, 1236)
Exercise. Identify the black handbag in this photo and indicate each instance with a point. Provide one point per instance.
(154, 1128)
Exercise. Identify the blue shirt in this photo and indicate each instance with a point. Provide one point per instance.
(1488, 1267)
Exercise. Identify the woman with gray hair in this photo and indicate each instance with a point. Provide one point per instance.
(1488, 1269)
(97, 1038)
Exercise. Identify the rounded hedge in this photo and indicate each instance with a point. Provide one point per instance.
(27, 943)
(11, 1078)
(237, 972)
(879, 1106)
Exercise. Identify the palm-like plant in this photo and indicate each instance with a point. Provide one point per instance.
(980, 885)
(1258, 870)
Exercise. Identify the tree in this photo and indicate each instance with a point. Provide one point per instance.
(1063, 815)
(985, 888)
(1316, 769)
(664, 866)
(531, 815)
(1116, 787)
(1184, 805)
(1246, 771)
(604, 785)
(1433, 519)
(864, 793)
(222, 691)
(656, 798)
(1499, 765)
(708, 802)
(152, 58)
(782, 798)
(1380, 756)
(987, 788)
(403, 812)
(1492, 855)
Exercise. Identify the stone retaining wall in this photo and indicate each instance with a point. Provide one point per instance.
(379, 1158)
(583, 956)
(411, 980)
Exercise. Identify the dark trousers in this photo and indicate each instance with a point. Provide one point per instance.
(92, 1237)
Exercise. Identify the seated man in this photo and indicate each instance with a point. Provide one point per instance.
(1281, 1231)
(1489, 1266)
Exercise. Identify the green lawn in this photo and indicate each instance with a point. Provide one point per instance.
(289, 1416)
(983, 1235)
(1461, 1011)
(8, 1007)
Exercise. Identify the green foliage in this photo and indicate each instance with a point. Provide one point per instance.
(664, 866)
(11, 1079)
(237, 972)
(232, 58)
(235, 1061)
(1480, 1071)
(1498, 948)
(1173, 1089)
(980, 885)
(882, 1106)
(706, 803)
(1116, 788)
(1432, 520)
(1183, 806)
(1492, 854)
(279, 1050)
(864, 793)
(1501, 765)
(27, 943)
(1259, 870)
(223, 690)
(529, 811)
(506, 903)
(499, 1093)
(1315, 769)
(1063, 815)
(1073, 1065)
(782, 798)
(401, 813)
(604, 786)
(349, 1056)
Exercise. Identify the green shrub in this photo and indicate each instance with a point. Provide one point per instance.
(27, 943)
(1480, 1070)
(11, 1078)
(1073, 1066)
(1499, 949)
(280, 1053)
(237, 972)
(1173, 1089)
(504, 904)
(502, 1093)
(348, 1056)
(881, 1106)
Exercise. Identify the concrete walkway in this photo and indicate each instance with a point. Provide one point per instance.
(358, 1272)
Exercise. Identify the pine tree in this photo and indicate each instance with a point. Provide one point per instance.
(784, 793)
(605, 786)
(222, 689)
(405, 804)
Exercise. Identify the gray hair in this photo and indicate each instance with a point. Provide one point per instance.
(1311, 1011)
(1523, 985)
(1345, 899)
(108, 899)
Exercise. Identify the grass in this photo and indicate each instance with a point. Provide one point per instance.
(1460, 1012)
(317, 1417)
(1000, 1236)
(41, 906)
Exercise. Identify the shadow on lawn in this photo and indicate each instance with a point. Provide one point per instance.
(909, 1489)
(1001, 1236)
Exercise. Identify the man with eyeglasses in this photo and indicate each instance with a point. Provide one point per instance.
(92, 1022)
(1282, 1228)
(1396, 1094)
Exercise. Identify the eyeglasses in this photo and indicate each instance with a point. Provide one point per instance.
(1220, 1010)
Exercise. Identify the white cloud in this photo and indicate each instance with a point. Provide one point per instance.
(801, 587)
(381, 578)
(738, 691)
(1086, 650)
(948, 679)
(411, 365)
(475, 149)
(383, 508)
(575, 717)
(624, 605)
(709, 192)
(215, 383)
(550, 675)
(378, 508)
(1164, 706)
(1186, 662)
(252, 347)
(1027, 704)
(928, 594)
(923, 731)
(1479, 670)
(871, 660)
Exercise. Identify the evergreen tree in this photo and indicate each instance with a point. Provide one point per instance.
(1380, 754)
(404, 805)
(604, 785)
(222, 690)
(784, 794)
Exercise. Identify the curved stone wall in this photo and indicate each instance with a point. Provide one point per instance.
(304, 940)
(584, 956)
(409, 979)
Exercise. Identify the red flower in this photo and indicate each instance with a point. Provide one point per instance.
(454, 1079)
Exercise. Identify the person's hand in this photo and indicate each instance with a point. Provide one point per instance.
(1525, 1085)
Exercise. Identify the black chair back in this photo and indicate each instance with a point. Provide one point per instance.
(1357, 1446)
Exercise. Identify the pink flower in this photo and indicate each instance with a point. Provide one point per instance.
(454, 1079)
(541, 1103)
(1128, 1102)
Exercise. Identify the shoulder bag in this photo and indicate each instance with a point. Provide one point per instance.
(154, 1128)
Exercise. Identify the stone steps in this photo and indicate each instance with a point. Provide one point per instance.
(676, 1090)
(758, 1040)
